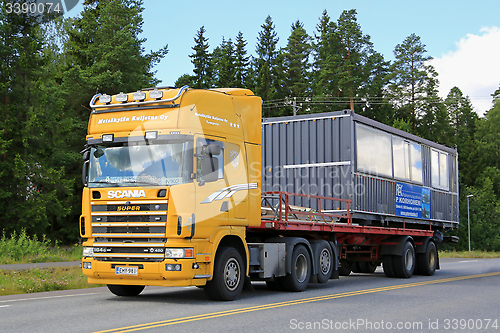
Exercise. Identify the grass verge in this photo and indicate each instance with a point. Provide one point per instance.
(467, 254)
(36, 280)
(22, 249)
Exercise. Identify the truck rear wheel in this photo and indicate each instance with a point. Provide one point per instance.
(388, 266)
(323, 259)
(125, 290)
(228, 276)
(404, 265)
(298, 279)
(427, 262)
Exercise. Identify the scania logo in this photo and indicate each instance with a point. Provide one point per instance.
(126, 194)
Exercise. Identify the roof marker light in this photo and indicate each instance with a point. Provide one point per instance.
(139, 96)
(121, 97)
(107, 137)
(105, 99)
(151, 135)
(156, 94)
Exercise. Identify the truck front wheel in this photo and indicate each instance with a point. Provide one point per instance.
(228, 276)
(125, 290)
(298, 279)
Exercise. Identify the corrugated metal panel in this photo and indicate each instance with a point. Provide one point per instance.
(288, 146)
(426, 165)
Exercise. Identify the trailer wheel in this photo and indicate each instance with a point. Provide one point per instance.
(125, 290)
(404, 265)
(298, 279)
(323, 260)
(388, 266)
(356, 268)
(228, 278)
(367, 266)
(427, 262)
(346, 267)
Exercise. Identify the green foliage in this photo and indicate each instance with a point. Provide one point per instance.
(48, 73)
(266, 63)
(201, 60)
(20, 246)
(42, 279)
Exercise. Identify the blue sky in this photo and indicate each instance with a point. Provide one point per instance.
(461, 35)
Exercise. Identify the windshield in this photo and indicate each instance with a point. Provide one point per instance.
(140, 164)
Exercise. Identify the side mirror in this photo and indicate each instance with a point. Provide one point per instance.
(86, 155)
(210, 169)
(211, 149)
(85, 172)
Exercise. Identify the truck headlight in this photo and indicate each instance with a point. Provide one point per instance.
(88, 252)
(177, 253)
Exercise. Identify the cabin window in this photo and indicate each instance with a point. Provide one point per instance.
(439, 169)
(373, 151)
(407, 157)
(416, 162)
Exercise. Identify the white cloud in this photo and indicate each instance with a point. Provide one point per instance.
(474, 68)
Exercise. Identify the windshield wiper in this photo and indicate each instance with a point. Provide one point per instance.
(139, 182)
(104, 182)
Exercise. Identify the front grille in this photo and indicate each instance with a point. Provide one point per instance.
(130, 232)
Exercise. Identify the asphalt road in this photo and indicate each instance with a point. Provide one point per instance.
(464, 296)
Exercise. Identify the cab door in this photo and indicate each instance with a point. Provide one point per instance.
(212, 207)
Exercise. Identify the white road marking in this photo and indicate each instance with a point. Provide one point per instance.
(467, 260)
(4, 306)
(47, 297)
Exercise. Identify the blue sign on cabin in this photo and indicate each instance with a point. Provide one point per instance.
(413, 201)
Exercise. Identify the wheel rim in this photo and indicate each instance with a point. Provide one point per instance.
(301, 268)
(409, 259)
(324, 261)
(232, 274)
(432, 258)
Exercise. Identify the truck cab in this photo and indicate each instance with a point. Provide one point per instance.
(170, 176)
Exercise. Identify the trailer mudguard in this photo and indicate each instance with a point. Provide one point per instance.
(394, 245)
(290, 243)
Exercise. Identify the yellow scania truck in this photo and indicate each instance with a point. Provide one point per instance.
(189, 187)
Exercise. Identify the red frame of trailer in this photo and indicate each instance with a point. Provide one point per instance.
(346, 231)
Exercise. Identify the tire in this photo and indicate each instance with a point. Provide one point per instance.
(324, 260)
(298, 279)
(388, 266)
(346, 267)
(274, 285)
(427, 262)
(367, 266)
(404, 265)
(228, 277)
(356, 268)
(125, 290)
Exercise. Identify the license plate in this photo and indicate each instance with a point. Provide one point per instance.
(127, 270)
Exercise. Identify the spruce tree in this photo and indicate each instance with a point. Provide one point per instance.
(241, 64)
(201, 60)
(265, 64)
(297, 61)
